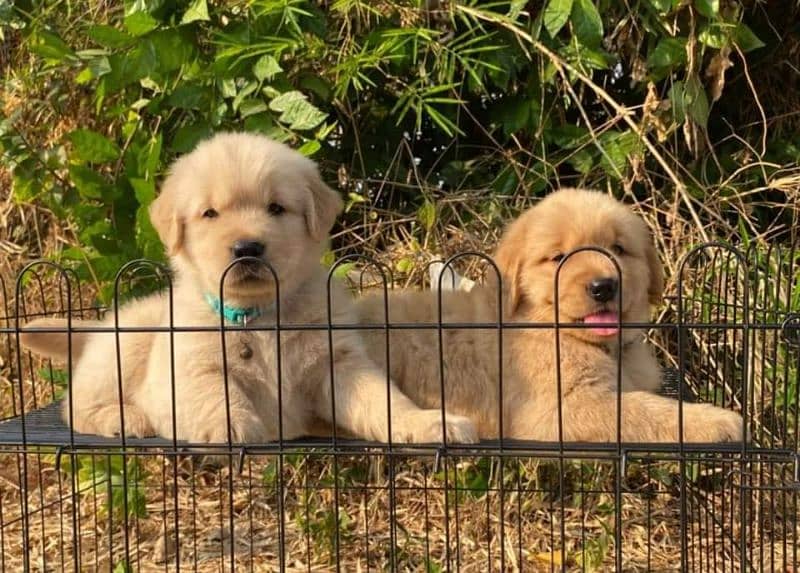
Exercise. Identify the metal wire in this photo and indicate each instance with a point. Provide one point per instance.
(731, 336)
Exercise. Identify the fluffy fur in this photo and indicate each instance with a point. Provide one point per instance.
(242, 178)
(528, 258)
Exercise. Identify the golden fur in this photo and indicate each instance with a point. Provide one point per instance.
(239, 175)
(527, 258)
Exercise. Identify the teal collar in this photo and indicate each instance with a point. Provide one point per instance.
(234, 314)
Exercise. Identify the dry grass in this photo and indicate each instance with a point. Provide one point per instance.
(532, 518)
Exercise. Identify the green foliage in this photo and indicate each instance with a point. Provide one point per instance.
(470, 91)
(112, 478)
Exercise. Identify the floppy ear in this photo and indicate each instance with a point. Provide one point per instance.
(324, 205)
(655, 289)
(164, 216)
(508, 257)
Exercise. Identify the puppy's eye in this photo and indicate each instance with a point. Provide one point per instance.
(557, 258)
(210, 214)
(275, 209)
(618, 249)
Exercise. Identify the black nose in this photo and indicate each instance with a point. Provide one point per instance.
(602, 290)
(247, 249)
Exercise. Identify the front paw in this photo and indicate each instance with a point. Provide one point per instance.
(245, 428)
(704, 423)
(105, 421)
(425, 426)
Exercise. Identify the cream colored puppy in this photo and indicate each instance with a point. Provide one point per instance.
(239, 196)
(528, 257)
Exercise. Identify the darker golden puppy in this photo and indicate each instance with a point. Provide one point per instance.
(595, 294)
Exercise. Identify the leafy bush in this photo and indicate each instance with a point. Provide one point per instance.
(405, 105)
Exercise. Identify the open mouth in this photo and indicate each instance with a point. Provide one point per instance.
(605, 322)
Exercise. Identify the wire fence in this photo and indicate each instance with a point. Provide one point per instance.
(729, 336)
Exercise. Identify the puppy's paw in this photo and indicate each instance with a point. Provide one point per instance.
(705, 423)
(425, 426)
(106, 421)
(246, 428)
(137, 425)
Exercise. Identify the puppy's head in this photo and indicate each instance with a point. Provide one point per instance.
(243, 195)
(590, 289)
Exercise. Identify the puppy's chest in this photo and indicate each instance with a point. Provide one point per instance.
(252, 356)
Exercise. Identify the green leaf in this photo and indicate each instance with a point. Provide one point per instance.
(159, 52)
(619, 146)
(172, 48)
(98, 67)
(144, 190)
(669, 52)
(188, 96)
(91, 147)
(198, 10)
(582, 161)
(343, 269)
(708, 8)
(689, 99)
(512, 113)
(149, 6)
(556, 15)
(50, 46)
(713, 36)
(246, 90)
(426, 215)
(266, 67)
(309, 148)
(569, 136)
(506, 183)
(251, 106)
(123, 567)
(677, 102)
(89, 183)
(405, 265)
(696, 101)
(662, 6)
(260, 123)
(188, 136)
(586, 23)
(297, 111)
(595, 59)
(108, 36)
(140, 23)
(746, 39)
(317, 85)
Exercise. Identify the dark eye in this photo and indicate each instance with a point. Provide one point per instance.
(557, 258)
(275, 209)
(210, 214)
(618, 249)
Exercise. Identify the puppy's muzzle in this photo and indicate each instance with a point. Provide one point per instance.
(603, 289)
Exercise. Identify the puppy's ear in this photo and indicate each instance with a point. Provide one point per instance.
(324, 205)
(164, 216)
(655, 290)
(508, 257)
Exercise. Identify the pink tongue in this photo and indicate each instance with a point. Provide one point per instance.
(605, 318)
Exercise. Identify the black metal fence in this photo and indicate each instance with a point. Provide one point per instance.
(728, 334)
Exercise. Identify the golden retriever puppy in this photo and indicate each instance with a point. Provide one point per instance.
(592, 296)
(245, 198)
